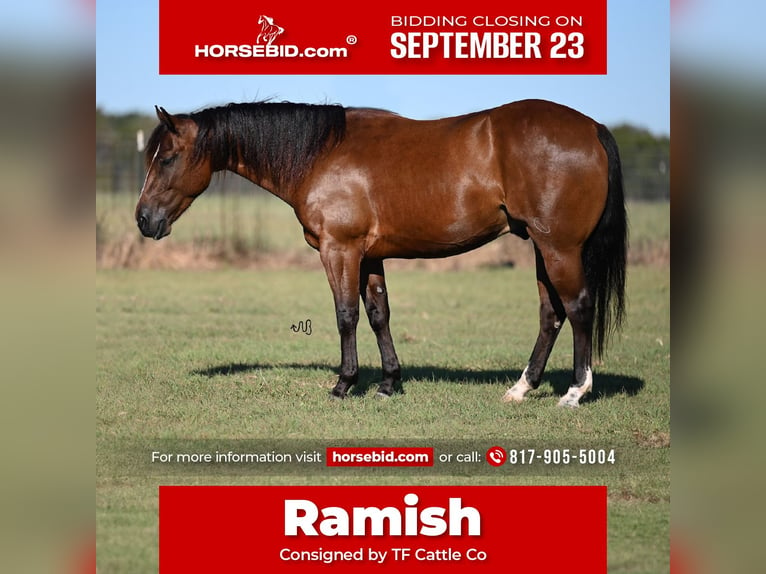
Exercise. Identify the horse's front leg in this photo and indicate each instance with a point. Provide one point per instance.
(375, 296)
(342, 264)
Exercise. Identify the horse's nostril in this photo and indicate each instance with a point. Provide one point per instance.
(142, 222)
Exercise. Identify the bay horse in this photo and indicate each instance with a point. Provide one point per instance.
(367, 185)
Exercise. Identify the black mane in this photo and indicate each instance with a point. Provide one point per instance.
(277, 140)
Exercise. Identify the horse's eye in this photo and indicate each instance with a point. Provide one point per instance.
(166, 161)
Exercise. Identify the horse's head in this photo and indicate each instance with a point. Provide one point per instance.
(174, 175)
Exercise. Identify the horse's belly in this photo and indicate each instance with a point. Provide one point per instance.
(419, 238)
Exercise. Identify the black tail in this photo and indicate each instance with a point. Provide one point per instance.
(605, 252)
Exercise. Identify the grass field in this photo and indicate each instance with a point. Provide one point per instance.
(210, 356)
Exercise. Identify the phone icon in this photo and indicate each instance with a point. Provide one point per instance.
(496, 456)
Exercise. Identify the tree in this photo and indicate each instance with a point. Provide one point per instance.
(645, 163)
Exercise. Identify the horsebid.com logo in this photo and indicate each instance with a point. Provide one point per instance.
(264, 46)
(269, 30)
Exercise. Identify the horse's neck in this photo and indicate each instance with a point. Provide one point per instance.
(265, 182)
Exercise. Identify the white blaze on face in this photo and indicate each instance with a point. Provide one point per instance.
(148, 171)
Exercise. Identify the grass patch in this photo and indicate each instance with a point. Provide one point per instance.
(209, 355)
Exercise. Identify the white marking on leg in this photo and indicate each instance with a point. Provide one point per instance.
(517, 392)
(588, 385)
(574, 394)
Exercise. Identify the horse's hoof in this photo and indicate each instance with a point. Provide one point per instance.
(386, 391)
(512, 397)
(337, 396)
(517, 392)
(569, 402)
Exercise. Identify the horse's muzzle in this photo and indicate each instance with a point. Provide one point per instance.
(152, 225)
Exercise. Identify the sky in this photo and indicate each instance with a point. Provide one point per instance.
(635, 89)
(718, 37)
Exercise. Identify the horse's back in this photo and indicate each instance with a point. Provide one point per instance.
(413, 188)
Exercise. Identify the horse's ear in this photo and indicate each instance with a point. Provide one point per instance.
(166, 119)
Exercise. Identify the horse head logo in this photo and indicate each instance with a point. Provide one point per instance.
(269, 30)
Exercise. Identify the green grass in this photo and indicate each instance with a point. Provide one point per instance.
(210, 356)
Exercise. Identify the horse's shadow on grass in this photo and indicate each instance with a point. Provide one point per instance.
(605, 385)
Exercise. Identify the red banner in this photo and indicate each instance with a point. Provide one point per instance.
(402, 529)
(425, 37)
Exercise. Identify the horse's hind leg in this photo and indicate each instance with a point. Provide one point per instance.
(552, 315)
(566, 273)
(372, 286)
